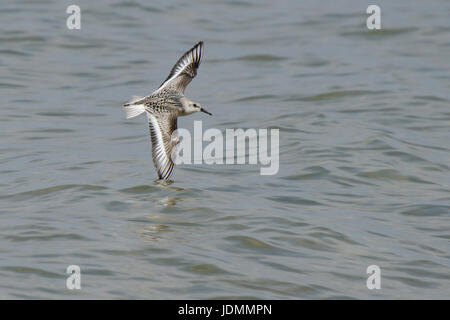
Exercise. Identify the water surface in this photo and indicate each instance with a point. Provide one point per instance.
(364, 178)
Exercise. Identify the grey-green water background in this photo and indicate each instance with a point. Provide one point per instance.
(364, 178)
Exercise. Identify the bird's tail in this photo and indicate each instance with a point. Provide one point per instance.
(132, 109)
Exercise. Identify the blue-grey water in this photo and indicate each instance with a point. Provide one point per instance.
(364, 120)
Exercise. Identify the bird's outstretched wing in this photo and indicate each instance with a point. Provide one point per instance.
(184, 70)
(164, 145)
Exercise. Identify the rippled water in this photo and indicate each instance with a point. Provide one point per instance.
(364, 124)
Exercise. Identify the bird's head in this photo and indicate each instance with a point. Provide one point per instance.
(193, 106)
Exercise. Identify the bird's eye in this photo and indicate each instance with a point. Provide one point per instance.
(195, 104)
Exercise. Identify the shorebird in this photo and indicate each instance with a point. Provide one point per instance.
(164, 106)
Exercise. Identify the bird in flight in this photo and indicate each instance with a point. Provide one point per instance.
(164, 106)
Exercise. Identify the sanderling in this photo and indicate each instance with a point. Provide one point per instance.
(164, 106)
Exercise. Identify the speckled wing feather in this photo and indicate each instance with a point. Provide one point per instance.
(162, 125)
(184, 70)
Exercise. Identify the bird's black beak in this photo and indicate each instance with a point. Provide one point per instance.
(205, 111)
